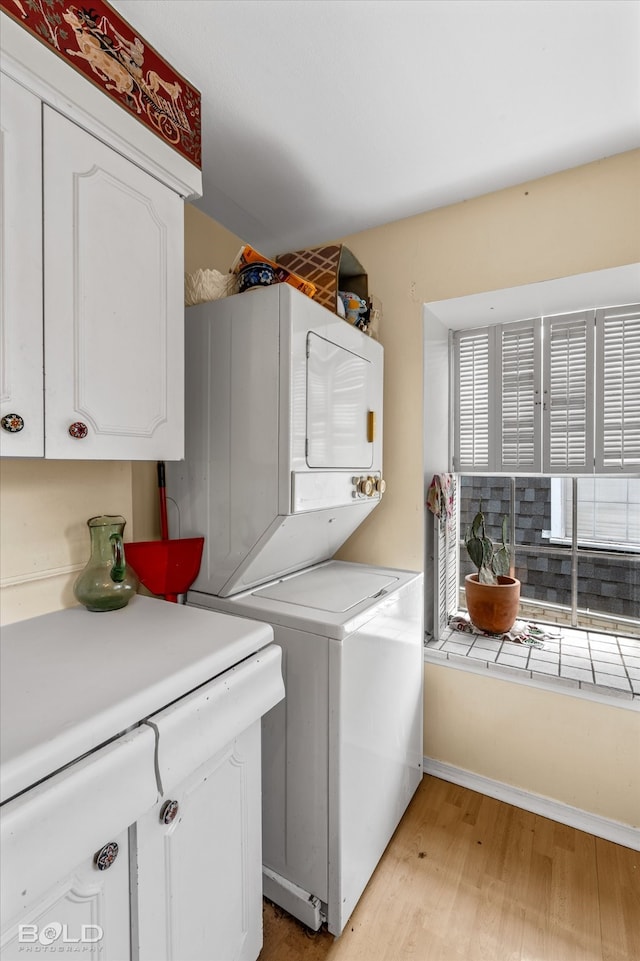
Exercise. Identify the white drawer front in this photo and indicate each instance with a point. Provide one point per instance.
(199, 725)
(65, 820)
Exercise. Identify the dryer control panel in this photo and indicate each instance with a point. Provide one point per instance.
(318, 490)
(369, 486)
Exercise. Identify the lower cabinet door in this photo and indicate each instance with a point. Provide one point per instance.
(85, 912)
(64, 854)
(197, 863)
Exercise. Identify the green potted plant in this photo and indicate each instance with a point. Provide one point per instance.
(493, 594)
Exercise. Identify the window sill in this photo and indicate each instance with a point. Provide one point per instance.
(585, 664)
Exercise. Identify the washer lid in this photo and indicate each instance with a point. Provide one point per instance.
(328, 589)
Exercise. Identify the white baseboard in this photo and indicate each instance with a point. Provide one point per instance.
(601, 827)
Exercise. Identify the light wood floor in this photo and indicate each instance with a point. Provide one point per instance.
(467, 878)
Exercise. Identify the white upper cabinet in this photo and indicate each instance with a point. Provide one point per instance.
(21, 272)
(113, 302)
(92, 250)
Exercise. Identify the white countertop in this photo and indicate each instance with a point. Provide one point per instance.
(72, 680)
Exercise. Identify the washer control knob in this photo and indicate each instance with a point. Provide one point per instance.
(380, 486)
(365, 486)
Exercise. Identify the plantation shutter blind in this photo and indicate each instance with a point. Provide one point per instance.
(618, 389)
(568, 393)
(447, 571)
(473, 399)
(519, 386)
(584, 366)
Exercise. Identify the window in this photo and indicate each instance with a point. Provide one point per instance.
(595, 579)
(549, 395)
(538, 405)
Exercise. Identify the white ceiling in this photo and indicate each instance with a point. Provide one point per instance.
(325, 117)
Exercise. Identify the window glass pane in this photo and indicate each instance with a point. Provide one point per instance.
(608, 512)
(609, 585)
(608, 573)
(545, 578)
(495, 493)
(533, 508)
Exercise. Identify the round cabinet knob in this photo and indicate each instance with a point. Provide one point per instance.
(169, 812)
(365, 486)
(78, 430)
(380, 486)
(13, 423)
(106, 856)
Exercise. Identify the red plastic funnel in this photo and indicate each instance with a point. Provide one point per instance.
(166, 567)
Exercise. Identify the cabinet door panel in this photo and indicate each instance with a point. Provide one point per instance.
(85, 912)
(21, 269)
(199, 881)
(114, 314)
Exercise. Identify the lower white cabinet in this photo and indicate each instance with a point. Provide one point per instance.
(65, 854)
(148, 848)
(181, 880)
(84, 911)
(197, 863)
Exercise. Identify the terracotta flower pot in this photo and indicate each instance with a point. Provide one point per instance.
(492, 607)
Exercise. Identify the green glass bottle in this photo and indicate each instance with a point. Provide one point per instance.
(107, 583)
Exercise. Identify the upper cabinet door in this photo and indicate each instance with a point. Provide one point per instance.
(20, 272)
(114, 314)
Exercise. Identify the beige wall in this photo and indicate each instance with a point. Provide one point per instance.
(44, 540)
(581, 220)
(579, 752)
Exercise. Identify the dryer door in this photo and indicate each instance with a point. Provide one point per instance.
(343, 397)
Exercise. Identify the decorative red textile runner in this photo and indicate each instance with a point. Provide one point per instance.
(98, 43)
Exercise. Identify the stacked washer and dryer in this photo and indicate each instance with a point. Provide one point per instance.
(283, 462)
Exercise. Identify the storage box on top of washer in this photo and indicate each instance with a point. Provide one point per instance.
(330, 268)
